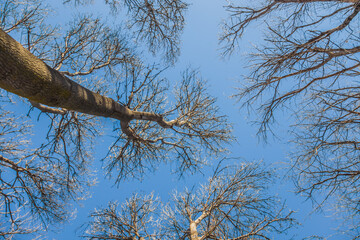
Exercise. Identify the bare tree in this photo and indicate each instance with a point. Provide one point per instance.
(108, 79)
(310, 63)
(158, 23)
(33, 187)
(232, 205)
(134, 220)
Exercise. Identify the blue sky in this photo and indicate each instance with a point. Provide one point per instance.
(200, 49)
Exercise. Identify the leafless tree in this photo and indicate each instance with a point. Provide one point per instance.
(108, 79)
(33, 187)
(134, 220)
(309, 63)
(232, 205)
(158, 23)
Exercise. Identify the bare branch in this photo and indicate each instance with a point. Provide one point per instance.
(46, 109)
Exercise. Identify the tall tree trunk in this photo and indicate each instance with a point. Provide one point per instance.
(25, 75)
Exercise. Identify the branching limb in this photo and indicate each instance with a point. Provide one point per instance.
(195, 122)
(47, 109)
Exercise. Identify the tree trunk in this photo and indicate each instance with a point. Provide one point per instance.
(27, 76)
(193, 231)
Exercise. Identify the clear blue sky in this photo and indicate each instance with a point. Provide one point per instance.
(200, 49)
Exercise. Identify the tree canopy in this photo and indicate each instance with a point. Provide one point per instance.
(309, 63)
(232, 205)
(110, 79)
(74, 73)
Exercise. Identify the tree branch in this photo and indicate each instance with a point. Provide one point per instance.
(47, 109)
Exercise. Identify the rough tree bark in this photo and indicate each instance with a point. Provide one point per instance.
(27, 76)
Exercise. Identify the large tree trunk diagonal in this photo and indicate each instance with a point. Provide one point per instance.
(25, 75)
